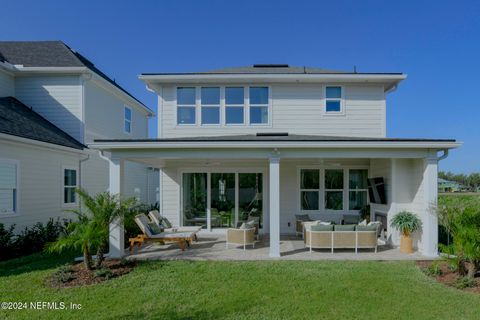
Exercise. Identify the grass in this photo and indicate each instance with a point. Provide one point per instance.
(459, 199)
(242, 290)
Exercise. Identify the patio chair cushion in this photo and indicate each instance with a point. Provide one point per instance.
(302, 217)
(154, 228)
(345, 227)
(166, 223)
(321, 227)
(371, 227)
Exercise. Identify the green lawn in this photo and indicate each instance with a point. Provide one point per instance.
(232, 290)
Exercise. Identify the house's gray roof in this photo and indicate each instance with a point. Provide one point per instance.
(49, 54)
(272, 69)
(276, 137)
(19, 120)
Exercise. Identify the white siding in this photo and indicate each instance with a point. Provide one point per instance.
(58, 99)
(104, 116)
(7, 84)
(40, 193)
(297, 109)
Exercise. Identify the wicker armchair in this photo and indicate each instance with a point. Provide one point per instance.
(240, 237)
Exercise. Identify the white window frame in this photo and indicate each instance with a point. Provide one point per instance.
(243, 106)
(355, 190)
(341, 99)
(321, 197)
(196, 107)
(219, 106)
(69, 204)
(125, 120)
(16, 212)
(268, 105)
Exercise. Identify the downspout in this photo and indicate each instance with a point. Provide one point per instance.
(80, 177)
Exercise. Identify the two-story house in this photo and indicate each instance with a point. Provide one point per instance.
(53, 102)
(273, 141)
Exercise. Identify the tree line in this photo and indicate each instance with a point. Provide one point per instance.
(471, 180)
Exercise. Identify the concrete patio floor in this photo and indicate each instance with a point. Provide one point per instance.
(212, 247)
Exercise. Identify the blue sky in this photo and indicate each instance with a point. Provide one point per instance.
(436, 43)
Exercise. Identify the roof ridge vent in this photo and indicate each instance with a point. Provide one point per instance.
(270, 65)
(272, 134)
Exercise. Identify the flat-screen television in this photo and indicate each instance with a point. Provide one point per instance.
(376, 190)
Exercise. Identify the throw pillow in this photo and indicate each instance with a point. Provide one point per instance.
(345, 227)
(321, 227)
(244, 226)
(363, 222)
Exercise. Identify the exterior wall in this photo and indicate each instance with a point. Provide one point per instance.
(39, 192)
(295, 108)
(104, 116)
(57, 98)
(7, 84)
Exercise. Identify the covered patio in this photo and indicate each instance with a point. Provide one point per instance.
(212, 247)
(408, 167)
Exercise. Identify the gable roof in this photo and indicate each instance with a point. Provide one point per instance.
(273, 69)
(17, 119)
(50, 54)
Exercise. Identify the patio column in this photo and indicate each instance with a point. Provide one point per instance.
(274, 187)
(430, 219)
(116, 231)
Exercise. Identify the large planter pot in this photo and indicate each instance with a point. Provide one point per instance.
(406, 244)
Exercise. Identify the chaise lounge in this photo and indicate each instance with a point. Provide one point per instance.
(155, 217)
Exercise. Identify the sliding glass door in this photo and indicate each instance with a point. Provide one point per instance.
(232, 198)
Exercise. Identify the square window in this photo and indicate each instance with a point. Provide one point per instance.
(333, 106)
(334, 179)
(309, 200)
(185, 95)
(234, 115)
(334, 200)
(334, 92)
(186, 115)
(210, 95)
(210, 115)
(309, 179)
(258, 95)
(259, 115)
(234, 95)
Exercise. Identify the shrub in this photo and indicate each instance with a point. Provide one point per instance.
(433, 270)
(63, 274)
(464, 282)
(31, 239)
(103, 273)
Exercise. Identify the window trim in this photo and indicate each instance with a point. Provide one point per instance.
(342, 101)
(125, 120)
(17, 193)
(321, 197)
(69, 204)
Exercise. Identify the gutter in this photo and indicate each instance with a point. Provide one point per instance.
(444, 155)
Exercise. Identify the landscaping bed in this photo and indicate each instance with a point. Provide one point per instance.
(444, 273)
(78, 275)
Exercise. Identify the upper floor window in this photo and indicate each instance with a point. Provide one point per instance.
(333, 99)
(8, 187)
(258, 105)
(127, 120)
(186, 105)
(234, 105)
(69, 186)
(210, 99)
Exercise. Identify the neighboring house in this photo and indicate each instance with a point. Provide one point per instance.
(273, 141)
(53, 102)
(450, 186)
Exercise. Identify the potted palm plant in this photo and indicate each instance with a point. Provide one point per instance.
(407, 223)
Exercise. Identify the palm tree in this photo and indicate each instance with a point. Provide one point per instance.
(91, 231)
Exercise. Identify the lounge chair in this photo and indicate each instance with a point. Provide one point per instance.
(241, 237)
(155, 216)
(183, 239)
